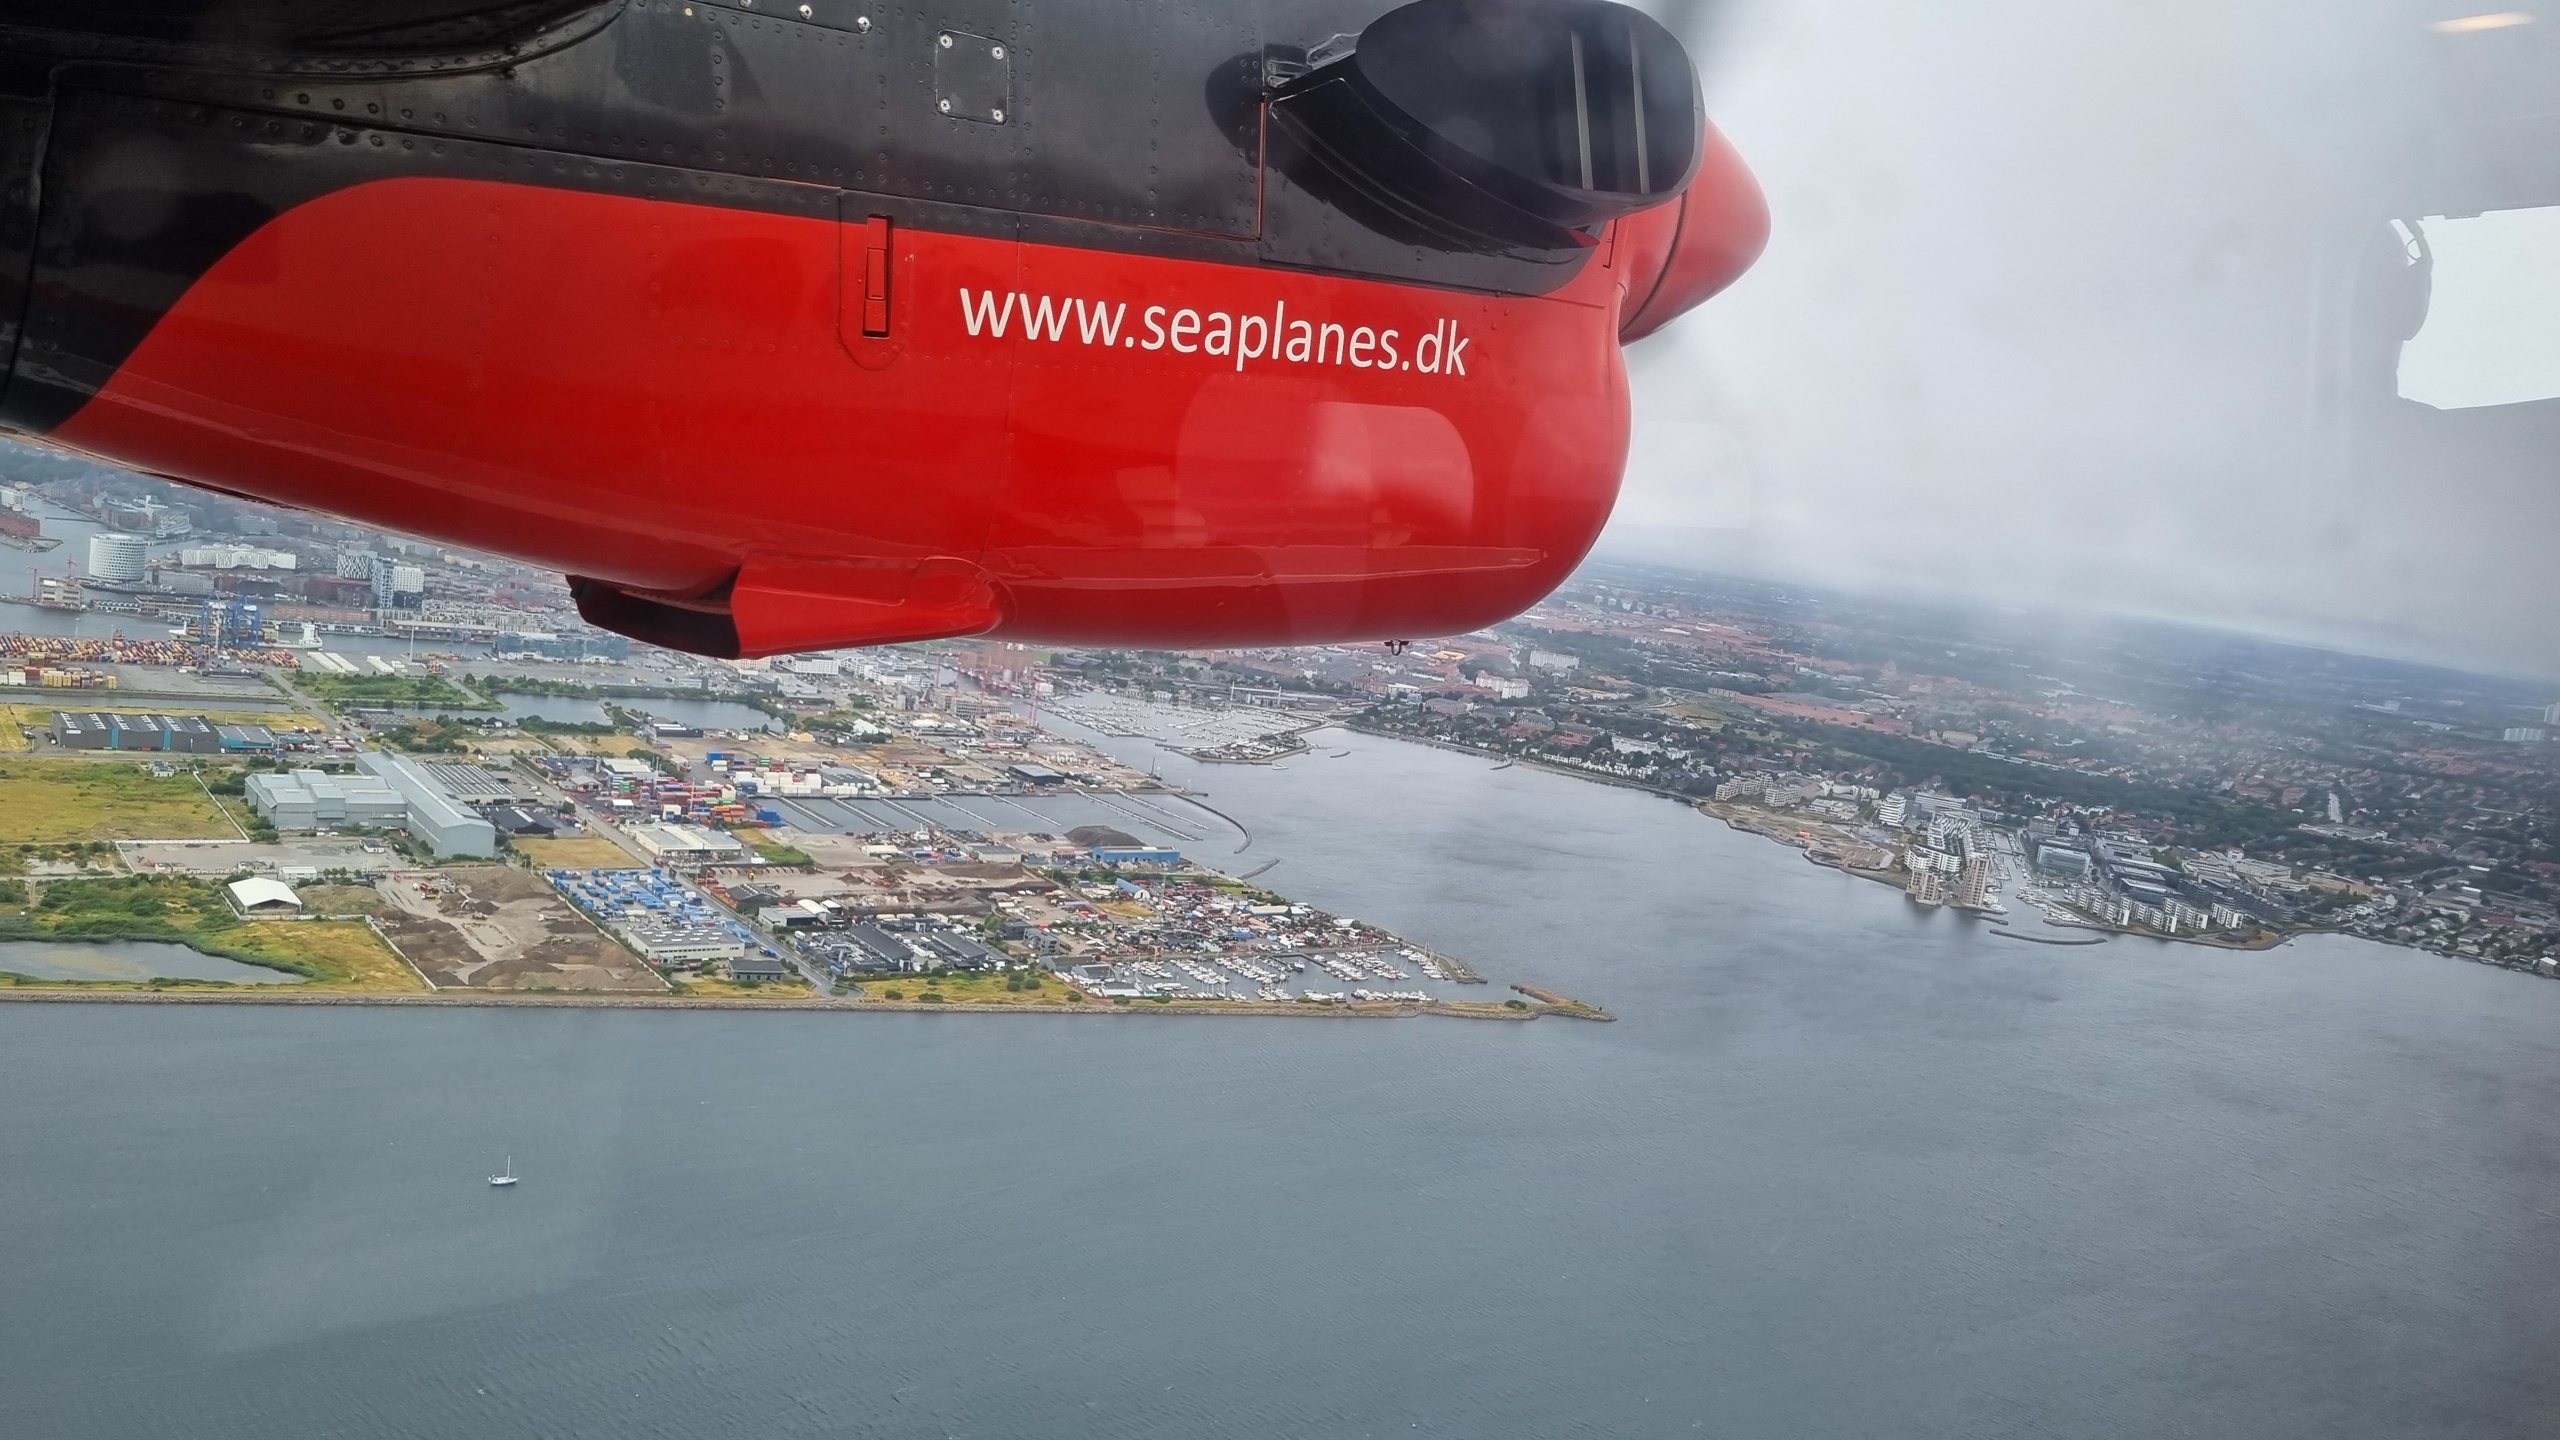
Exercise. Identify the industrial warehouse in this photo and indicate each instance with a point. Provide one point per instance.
(388, 791)
(186, 733)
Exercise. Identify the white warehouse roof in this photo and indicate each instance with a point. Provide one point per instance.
(258, 890)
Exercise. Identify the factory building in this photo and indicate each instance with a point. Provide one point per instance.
(549, 646)
(435, 817)
(962, 952)
(246, 739)
(316, 799)
(688, 847)
(189, 733)
(876, 949)
(386, 791)
(110, 731)
(512, 820)
(675, 942)
(82, 732)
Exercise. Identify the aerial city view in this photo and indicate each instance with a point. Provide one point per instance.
(237, 716)
(264, 719)
(1459, 719)
(256, 758)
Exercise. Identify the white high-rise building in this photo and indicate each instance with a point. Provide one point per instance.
(395, 584)
(1974, 887)
(117, 558)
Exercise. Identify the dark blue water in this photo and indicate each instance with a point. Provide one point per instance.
(1842, 1170)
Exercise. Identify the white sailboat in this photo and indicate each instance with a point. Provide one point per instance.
(507, 1176)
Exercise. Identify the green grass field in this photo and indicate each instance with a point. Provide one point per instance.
(337, 957)
(48, 801)
(972, 989)
(340, 956)
(775, 850)
(28, 717)
(340, 899)
(599, 745)
(576, 852)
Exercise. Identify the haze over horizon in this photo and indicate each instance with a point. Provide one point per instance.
(2100, 309)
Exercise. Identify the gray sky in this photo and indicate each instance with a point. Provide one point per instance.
(2097, 305)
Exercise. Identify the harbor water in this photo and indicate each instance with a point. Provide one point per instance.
(1842, 1168)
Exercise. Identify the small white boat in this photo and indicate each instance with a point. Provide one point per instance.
(507, 1176)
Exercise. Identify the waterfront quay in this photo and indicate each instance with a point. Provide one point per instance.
(929, 866)
(1111, 922)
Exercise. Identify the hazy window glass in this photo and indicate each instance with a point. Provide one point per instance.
(2492, 335)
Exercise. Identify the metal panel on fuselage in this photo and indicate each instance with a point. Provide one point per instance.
(1111, 115)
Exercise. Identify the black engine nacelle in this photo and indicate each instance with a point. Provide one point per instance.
(1503, 124)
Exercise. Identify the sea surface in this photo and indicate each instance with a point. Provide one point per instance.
(1843, 1168)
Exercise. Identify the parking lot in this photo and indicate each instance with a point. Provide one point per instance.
(317, 856)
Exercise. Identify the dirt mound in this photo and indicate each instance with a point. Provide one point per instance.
(495, 927)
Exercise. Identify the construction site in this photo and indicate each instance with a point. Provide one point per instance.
(500, 927)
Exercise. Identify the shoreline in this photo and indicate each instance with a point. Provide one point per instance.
(1532, 762)
(2266, 940)
(1403, 1010)
(1718, 810)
